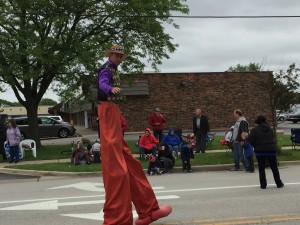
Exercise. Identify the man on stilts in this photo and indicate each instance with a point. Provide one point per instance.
(124, 179)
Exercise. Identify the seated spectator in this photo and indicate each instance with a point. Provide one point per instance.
(96, 150)
(148, 143)
(173, 141)
(89, 152)
(228, 135)
(80, 153)
(227, 140)
(164, 161)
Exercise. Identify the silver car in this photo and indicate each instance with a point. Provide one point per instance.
(48, 127)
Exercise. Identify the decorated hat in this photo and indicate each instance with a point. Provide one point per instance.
(116, 49)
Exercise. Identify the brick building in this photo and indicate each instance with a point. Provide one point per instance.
(179, 94)
(217, 94)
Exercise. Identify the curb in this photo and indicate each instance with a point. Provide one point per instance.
(205, 168)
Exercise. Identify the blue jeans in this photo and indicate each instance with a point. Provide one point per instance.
(14, 153)
(148, 151)
(174, 148)
(238, 155)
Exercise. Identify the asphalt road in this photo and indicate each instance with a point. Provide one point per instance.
(219, 198)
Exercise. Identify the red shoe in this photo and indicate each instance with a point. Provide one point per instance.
(163, 211)
(143, 221)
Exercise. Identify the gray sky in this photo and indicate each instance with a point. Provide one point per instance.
(213, 45)
(208, 45)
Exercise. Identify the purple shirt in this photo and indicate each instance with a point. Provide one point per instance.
(105, 78)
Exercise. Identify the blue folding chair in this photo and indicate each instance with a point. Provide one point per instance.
(295, 138)
(210, 138)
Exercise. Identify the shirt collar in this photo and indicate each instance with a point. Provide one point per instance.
(112, 64)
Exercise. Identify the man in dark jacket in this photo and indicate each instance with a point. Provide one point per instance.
(240, 126)
(200, 130)
(263, 141)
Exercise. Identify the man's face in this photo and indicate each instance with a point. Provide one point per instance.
(147, 133)
(116, 58)
(235, 115)
(198, 112)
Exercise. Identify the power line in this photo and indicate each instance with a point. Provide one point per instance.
(180, 17)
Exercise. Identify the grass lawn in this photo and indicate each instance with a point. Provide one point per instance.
(54, 152)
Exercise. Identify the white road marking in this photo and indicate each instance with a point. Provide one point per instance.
(90, 186)
(157, 192)
(94, 216)
(53, 205)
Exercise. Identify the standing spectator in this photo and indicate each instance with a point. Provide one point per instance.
(200, 130)
(263, 140)
(240, 126)
(186, 155)
(173, 141)
(248, 152)
(124, 179)
(13, 137)
(148, 143)
(3, 129)
(157, 121)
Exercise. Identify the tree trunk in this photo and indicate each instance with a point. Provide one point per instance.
(32, 115)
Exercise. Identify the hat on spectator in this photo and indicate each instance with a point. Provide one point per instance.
(232, 127)
(157, 109)
(260, 119)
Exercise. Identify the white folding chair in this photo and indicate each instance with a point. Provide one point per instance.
(28, 143)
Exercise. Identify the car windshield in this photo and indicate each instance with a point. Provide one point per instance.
(47, 121)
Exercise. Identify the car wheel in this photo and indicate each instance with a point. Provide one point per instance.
(63, 133)
(295, 121)
(281, 118)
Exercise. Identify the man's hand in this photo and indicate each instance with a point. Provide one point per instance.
(116, 90)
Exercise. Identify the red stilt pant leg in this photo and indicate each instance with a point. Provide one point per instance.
(117, 207)
(142, 194)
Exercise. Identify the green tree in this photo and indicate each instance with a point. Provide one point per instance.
(47, 101)
(252, 67)
(282, 87)
(54, 43)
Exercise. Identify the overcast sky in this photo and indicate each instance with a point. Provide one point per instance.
(208, 45)
(213, 45)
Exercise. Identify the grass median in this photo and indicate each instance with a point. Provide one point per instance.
(58, 152)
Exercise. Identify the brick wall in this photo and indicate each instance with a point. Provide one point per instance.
(217, 94)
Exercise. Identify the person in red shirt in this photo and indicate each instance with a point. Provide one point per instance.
(148, 143)
(157, 121)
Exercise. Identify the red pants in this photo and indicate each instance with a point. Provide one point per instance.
(123, 177)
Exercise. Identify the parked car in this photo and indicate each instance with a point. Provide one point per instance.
(294, 117)
(281, 116)
(48, 127)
